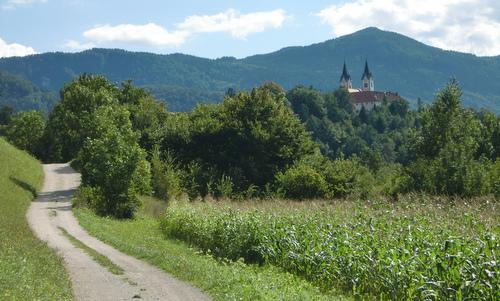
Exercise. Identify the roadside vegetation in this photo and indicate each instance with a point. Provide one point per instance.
(220, 279)
(29, 270)
(263, 143)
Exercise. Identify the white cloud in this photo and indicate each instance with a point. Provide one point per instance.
(150, 34)
(78, 46)
(12, 4)
(233, 22)
(462, 25)
(14, 49)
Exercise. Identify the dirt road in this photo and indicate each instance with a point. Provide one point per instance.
(91, 281)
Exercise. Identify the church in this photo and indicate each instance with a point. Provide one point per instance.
(365, 97)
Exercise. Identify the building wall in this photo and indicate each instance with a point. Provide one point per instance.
(368, 105)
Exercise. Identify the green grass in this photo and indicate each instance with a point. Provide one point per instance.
(97, 257)
(421, 248)
(222, 280)
(29, 270)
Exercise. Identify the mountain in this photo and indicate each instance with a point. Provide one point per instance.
(398, 63)
(21, 94)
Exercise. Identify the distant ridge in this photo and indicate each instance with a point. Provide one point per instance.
(398, 63)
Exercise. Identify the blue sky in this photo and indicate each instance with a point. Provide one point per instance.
(238, 28)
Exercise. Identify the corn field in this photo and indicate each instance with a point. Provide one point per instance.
(418, 249)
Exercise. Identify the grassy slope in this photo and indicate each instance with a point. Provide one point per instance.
(29, 269)
(222, 281)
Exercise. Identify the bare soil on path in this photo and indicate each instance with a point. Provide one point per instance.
(91, 281)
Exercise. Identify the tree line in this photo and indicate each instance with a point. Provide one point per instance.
(263, 143)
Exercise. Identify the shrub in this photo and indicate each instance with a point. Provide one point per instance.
(302, 181)
(25, 130)
(494, 175)
(166, 180)
(342, 176)
(224, 187)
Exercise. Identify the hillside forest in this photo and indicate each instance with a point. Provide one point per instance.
(264, 143)
(399, 63)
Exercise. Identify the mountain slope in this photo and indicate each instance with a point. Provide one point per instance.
(398, 63)
(21, 94)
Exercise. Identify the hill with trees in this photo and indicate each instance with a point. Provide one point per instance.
(20, 94)
(399, 63)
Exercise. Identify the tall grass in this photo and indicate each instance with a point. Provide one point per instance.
(421, 248)
(29, 270)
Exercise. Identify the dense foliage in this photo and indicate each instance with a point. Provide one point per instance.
(105, 128)
(259, 143)
(413, 250)
(113, 166)
(442, 148)
(25, 129)
(455, 150)
(245, 140)
(20, 94)
(398, 63)
(376, 136)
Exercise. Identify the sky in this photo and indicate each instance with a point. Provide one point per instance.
(239, 28)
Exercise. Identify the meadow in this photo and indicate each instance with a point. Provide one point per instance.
(29, 270)
(419, 248)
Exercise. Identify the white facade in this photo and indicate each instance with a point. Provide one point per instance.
(368, 84)
(368, 105)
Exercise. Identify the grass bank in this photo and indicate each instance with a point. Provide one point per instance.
(420, 248)
(29, 270)
(221, 279)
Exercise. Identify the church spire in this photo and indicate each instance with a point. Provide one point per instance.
(367, 79)
(345, 79)
(367, 72)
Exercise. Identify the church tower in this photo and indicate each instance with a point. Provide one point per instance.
(367, 79)
(345, 79)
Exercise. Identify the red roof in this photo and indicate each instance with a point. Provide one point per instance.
(373, 96)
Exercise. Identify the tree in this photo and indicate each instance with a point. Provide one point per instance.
(306, 102)
(247, 139)
(25, 130)
(440, 123)
(112, 164)
(146, 113)
(265, 136)
(66, 128)
(446, 149)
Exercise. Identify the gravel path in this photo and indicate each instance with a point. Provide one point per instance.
(141, 281)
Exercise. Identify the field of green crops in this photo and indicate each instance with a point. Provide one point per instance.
(420, 248)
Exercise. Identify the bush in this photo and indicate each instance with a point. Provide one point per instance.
(166, 180)
(25, 130)
(494, 175)
(224, 187)
(301, 181)
(342, 176)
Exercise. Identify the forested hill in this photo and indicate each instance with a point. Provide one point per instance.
(398, 63)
